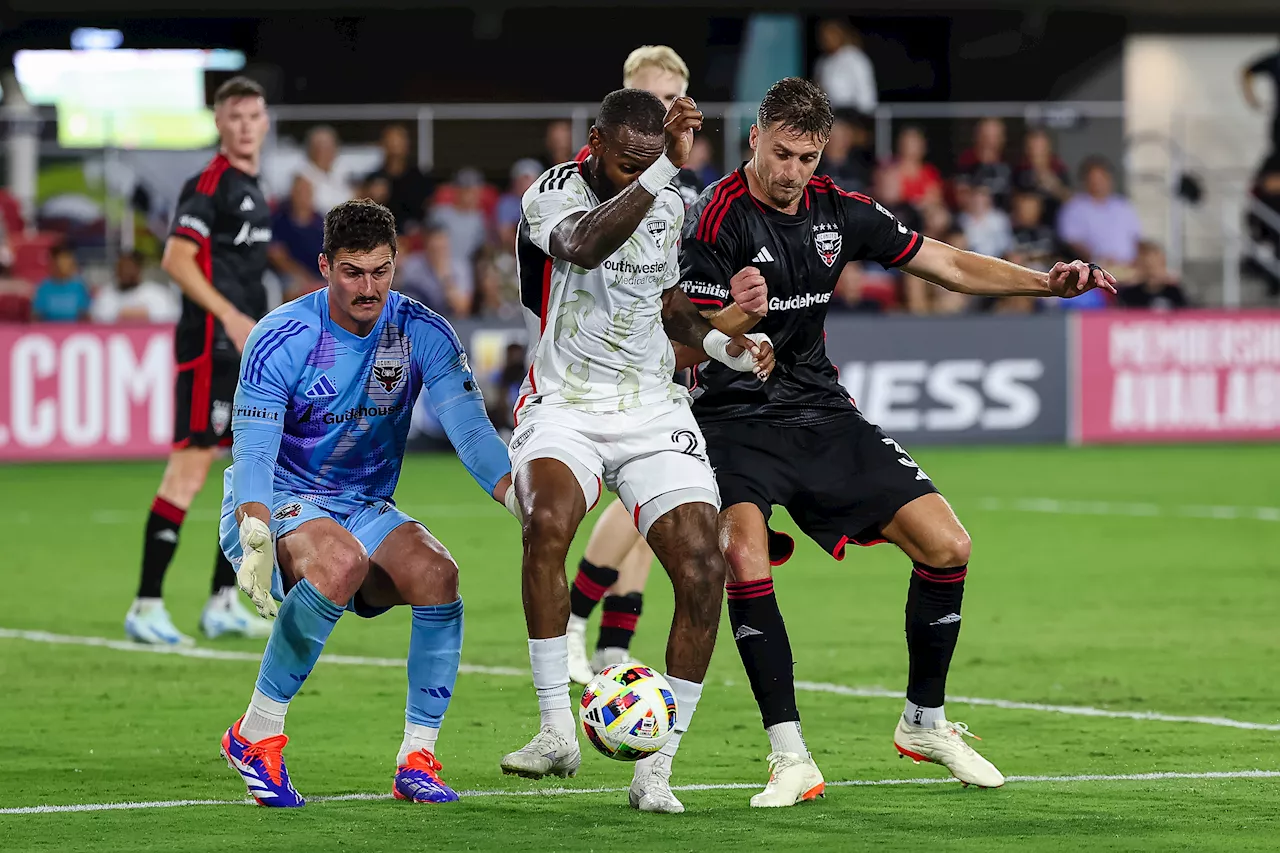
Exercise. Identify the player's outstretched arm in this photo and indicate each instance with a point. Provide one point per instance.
(980, 275)
(684, 325)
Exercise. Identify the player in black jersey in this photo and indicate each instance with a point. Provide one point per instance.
(763, 248)
(217, 253)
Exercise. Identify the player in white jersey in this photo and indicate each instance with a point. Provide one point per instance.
(598, 274)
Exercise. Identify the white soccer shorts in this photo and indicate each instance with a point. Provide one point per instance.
(654, 458)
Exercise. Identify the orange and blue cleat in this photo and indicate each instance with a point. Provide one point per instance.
(261, 766)
(418, 779)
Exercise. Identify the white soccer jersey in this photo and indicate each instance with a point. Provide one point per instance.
(600, 346)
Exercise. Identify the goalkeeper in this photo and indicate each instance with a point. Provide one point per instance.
(326, 387)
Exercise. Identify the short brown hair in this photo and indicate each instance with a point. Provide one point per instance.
(359, 225)
(798, 105)
(238, 87)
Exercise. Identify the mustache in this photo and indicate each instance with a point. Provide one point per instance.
(365, 300)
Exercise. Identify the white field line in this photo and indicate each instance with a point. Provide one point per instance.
(735, 786)
(472, 669)
(1133, 510)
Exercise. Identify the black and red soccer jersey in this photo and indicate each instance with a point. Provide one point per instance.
(801, 257)
(223, 211)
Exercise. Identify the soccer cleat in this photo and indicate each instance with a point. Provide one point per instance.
(548, 754)
(579, 667)
(261, 766)
(793, 778)
(944, 744)
(224, 614)
(148, 622)
(418, 779)
(609, 656)
(650, 789)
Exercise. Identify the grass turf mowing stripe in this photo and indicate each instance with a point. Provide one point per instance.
(804, 686)
(735, 786)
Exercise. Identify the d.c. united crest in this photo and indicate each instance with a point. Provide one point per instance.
(389, 373)
(220, 416)
(828, 245)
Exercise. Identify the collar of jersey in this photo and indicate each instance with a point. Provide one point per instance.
(350, 339)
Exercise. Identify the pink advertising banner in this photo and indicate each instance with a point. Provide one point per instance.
(1189, 376)
(85, 392)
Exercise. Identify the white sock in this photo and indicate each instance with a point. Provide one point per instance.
(550, 661)
(577, 623)
(264, 718)
(786, 737)
(687, 695)
(142, 605)
(919, 715)
(417, 737)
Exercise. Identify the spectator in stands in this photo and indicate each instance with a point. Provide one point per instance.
(297, 238)
(1262, 228)
(63, 297)
(1043, 172)
(844, 71)
(558, 144)
(1156, 287)
(464, 220)
(507, 213)
(130, 298)
(1098, 224)
(886, 188)
(1035, 244)
(848, 158)
(495, 296)
(434, 276)
(506, 382)
(330, 186)
(398, 183)
(1269, 66)
(700, 162)
(984, 164)
(986, 228)
(921, 183)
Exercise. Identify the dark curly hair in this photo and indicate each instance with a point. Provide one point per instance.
(798, 105)
(636, 109)
(359, 225)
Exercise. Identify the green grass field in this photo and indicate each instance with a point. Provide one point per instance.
(1123, 580)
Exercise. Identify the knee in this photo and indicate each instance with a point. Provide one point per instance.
(339, 571)
(547, 529)
(951, 552)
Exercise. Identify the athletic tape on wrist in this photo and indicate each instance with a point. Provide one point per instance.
(657, 176)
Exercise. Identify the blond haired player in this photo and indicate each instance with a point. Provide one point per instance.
(616, 565)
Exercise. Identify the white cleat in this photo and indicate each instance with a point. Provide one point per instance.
(148, 622)
(226, 614)
(548, 754)
(793, 778)
(610, 656)
(650, 789)
(579, 667)
(944, 744)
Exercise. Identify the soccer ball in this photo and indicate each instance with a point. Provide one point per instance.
(628, 711)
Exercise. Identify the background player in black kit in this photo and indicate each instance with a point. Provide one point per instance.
(217, 253)
(764, 248)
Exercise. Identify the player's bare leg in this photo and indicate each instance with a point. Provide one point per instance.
(684, 539)
(612, 539)
(553, 506)
(928, 532)
(765, 649)
(184, 477)
(622, 607)
(412, 567)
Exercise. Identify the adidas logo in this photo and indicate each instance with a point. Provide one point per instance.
(322, 387)
(949, 619)
(745, 631)
(762, 256)
(247, 204)
(167, 536)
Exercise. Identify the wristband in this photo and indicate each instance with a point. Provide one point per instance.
(512, 503)
(716, 344)
(659, 175)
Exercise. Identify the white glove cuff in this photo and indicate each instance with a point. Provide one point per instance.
(512, 503)
(716, 344)
(657, 176)
(254, 532)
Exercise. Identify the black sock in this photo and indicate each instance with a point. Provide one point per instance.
(618, 620)
(933, 626)
(762, 642)
(590, 585)
(223, 573)
(157, 548)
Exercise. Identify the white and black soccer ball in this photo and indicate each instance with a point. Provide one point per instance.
(628, 711)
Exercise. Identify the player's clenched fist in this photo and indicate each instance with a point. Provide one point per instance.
(750, 292)
(254, 574)
(681, 121)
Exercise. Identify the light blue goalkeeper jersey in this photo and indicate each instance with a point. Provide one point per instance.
(324, 414)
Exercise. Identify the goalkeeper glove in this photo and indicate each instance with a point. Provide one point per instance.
(254, 574)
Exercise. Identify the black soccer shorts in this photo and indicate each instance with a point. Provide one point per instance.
(203, 392)
(840, 480)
